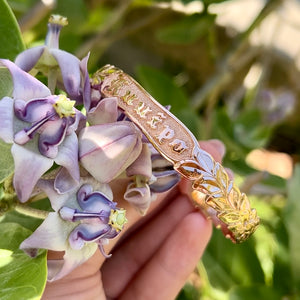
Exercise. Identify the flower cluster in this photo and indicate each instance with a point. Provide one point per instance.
(72, 156)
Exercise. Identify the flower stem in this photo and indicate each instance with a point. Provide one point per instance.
(30, 211)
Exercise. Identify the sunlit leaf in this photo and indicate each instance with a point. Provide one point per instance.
(21, 277)
(10, 36)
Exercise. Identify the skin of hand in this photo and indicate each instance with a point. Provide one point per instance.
(151, 258)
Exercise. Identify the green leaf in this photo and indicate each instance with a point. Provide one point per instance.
(6, 83)
(230, 264)
(250, 131)
(6, 161)
(188, 292)
(242, 134)
(10, 35)
(282, 274)
(75, 11)
(292, 221)
(20, 7)
(253, 293)
(185, 31)
(77, 14)
(21, 277)
(223, 129)
(189, 117)
(27, 221)
(162, 88)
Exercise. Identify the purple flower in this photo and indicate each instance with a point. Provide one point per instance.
(41, 128)
(60, 66)
(151, 174)
(84, 219)
(276, 105)
(108, 147)
(163, 172)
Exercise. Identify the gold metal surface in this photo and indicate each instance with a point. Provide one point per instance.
(214, 192)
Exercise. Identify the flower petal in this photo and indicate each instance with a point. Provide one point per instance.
(93, 201)
(64, 182)
(142, 165)
(72, 259)
(105, 112)
(163, 171)
(70, 70)
(57, 200)
(52, 234)
(105, 151)
(29, 167)
(27, 59)
(79, 122)
(51, 136)
(68, 155)
(86, 94)
(87, 233)
(139, 197)
(164, 181)
(6, 119)
(26, 87)
(33, 110)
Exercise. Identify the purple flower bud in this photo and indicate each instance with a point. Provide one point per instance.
(105, 151)
(166, 177)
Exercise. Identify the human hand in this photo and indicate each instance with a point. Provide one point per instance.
(152, 258)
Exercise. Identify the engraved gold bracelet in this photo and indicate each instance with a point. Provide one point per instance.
(213, 191)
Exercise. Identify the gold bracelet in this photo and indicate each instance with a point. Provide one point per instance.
(213, 191)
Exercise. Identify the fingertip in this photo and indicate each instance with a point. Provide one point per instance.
(199, 229)
(215, 147)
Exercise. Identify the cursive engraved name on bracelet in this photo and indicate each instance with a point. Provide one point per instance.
(214, 192)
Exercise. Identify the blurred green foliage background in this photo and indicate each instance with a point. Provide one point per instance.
(229, 70)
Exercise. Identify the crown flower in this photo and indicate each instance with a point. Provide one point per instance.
(41, 128)
(60, 66)
(84, 219)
